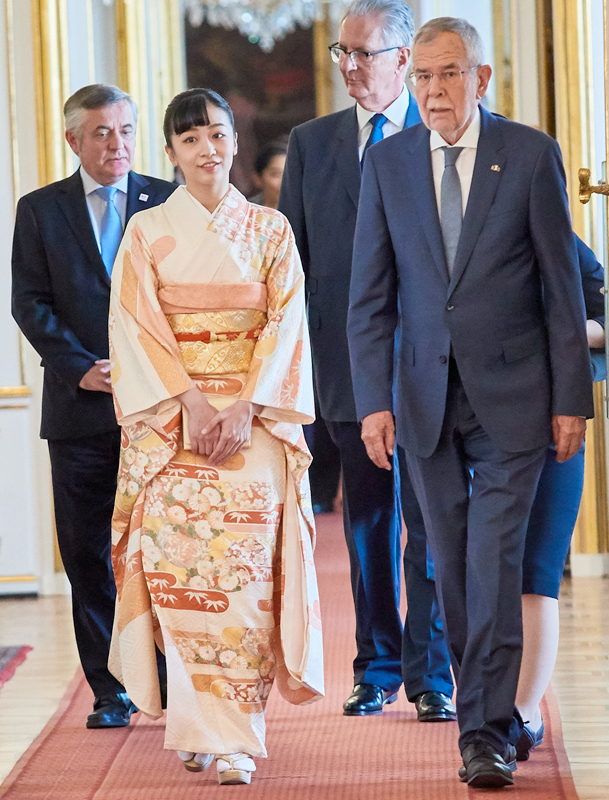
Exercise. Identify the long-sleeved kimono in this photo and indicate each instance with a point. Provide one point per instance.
(215, 564)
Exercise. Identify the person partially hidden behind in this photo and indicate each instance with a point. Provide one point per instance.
(66, 237)
(464, 249)
(319, 195)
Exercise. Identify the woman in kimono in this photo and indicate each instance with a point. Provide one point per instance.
(213, 531)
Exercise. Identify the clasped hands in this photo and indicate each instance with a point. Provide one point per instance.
(217, 434)
(378, 435)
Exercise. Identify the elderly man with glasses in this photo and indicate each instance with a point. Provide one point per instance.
(465, 255)
(319, 195)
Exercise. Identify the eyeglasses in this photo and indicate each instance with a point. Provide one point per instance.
(449, 77)
(359, 58)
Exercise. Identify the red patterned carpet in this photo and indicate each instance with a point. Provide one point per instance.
(314, 752)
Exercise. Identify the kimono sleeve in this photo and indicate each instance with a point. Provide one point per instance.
(280, 375)
(146, 366)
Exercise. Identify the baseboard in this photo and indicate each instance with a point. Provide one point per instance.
(589, 565)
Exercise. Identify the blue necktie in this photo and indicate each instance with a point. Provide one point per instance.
(111, 229)
(376, 134)
(451, 205)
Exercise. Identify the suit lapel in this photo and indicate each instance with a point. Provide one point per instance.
(488, 170)
(73, 203)
(346, 153)
(423, 191)
(139, 194)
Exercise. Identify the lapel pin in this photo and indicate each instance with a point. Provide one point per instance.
(144, 197)
(496, 168)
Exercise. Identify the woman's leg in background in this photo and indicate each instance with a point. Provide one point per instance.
(540, 646)
(551, 524)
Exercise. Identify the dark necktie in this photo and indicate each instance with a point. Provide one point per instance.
(111, 228)
(376, 134)
(451, 205)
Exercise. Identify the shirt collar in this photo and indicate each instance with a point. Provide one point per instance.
(396, 112)
(469, 138)
(90, 185)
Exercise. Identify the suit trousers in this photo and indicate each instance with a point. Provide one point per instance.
(84, 484)
(425, 657)
(476, 499)
(372, 521)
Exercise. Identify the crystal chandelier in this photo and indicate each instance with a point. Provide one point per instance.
(262, 21)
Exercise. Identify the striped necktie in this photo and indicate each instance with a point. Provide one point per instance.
(111, 228)
(451, 205)
(376, 134)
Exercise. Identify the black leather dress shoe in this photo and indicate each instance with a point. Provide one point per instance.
(366, 699)
(529, 740)
(435, 707)
(112, 711)
(484, 768)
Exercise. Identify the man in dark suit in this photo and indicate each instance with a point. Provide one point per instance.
(464, 247)
(66, 237)
(319, 196)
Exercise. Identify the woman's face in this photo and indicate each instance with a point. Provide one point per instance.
(205, 153)
(270, 180)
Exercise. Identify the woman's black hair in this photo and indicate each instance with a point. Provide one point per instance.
(189, 110)
(268, 152)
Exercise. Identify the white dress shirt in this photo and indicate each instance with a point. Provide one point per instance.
(97, 206)
(465, 161)
(396, 118)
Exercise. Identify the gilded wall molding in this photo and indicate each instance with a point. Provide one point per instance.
(574, 131)
(502, 40)
(324, 85)
(15, 391)
(52, 78)
(150, 68)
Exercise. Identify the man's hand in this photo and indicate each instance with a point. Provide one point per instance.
(378, 434)
(235, 427)
(97, 379)
(568, 435)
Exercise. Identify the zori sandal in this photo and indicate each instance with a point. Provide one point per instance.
(195, 762)
(235, 768)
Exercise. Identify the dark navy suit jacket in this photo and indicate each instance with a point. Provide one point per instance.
(319, 196)
(61, 296)
(511, 314)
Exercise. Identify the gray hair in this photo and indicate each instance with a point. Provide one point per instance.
(97, 95)
(397, 23)
(472, 41)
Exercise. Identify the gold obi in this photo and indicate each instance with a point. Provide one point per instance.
(215, 339)
(217, 342)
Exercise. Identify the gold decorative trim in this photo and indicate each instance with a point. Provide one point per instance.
(52, 81)
(545, 50)
(15, 391)
(17, 578)
(575, 134)
(150, 68)
(502, 41)
(324, 87)
(12, 94)
(131, 34)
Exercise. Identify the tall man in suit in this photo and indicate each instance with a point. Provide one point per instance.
(464, 247)
(66, 237)
(319, 195)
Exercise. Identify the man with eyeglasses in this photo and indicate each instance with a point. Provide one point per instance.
(319, 195)
(464, 252)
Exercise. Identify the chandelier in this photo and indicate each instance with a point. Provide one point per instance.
(262, 21)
